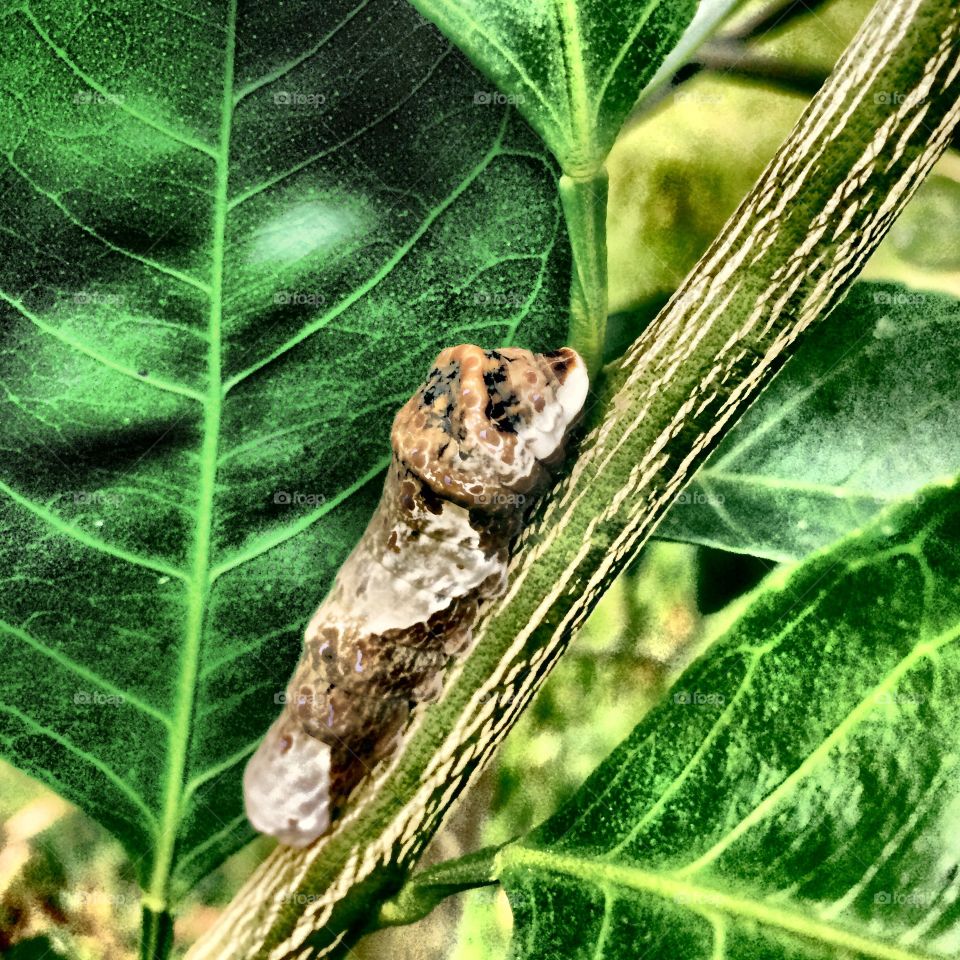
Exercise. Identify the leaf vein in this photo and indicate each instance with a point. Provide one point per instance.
(62, 55)
(172, 272)
(125, 788)
(84, 672)
(82, 537)
(858, 714)
(74, 343)
(382, 273)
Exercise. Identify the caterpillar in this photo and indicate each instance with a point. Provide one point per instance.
(473, 449)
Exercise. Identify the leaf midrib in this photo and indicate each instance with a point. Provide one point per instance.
(198, 590)
(698, 898)
(578, 96)
(455, 13)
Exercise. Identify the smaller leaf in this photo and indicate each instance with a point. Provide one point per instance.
(860, 418)
(797, 795)
(574, 68)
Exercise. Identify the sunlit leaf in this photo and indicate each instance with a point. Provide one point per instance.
(796, 795)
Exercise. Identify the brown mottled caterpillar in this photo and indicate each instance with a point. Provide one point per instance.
(472, 449)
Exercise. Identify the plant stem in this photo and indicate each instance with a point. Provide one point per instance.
(156, 939)
(707, 20)
(424, 891)
(584, 201)
(784, 259)
(775, 16)
(734, 59)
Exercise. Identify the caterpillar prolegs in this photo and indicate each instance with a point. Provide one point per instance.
(472, 450)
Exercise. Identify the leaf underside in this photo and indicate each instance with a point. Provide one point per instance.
(863, 416)
(231, 245)
(574, 68)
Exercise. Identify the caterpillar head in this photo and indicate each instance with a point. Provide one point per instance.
(486, 423)
(286, 785)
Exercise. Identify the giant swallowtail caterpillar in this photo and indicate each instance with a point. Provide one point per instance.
(472, 450)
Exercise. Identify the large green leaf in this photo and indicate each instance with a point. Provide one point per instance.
(231, 246)
(861, 417)
(574, 68)
(796, 795)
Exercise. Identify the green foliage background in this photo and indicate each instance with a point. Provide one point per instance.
(676, 174)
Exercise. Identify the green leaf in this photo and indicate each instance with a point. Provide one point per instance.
(36, 948)
(574, 68)
(925, 235)
(861, 417)
(797, 795)
(232, 246)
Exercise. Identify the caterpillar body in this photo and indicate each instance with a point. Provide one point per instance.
(472, 450)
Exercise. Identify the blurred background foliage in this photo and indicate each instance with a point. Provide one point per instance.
(680, 168)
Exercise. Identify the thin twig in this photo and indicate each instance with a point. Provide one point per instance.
(775, 16)
(732, 58)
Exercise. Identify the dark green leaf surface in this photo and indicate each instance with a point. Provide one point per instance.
(231, 245)
(797, 793)
(863, 416)
(574, 68)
